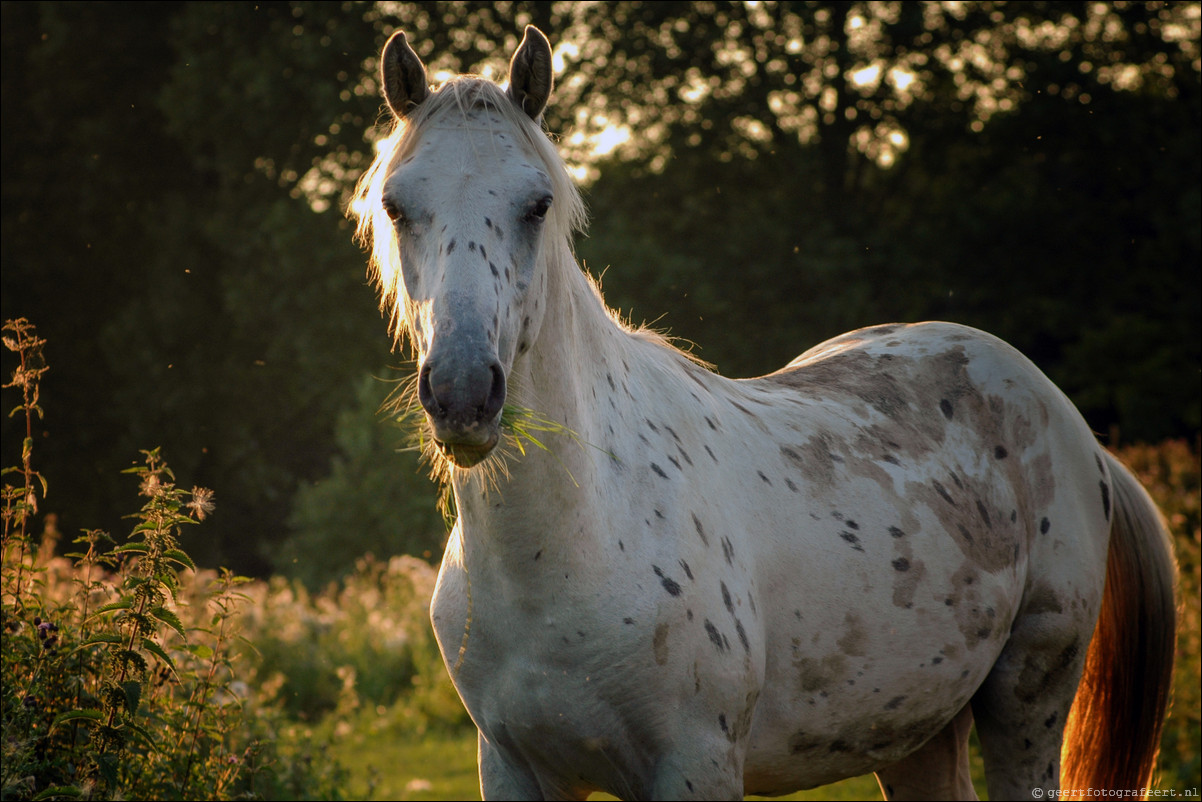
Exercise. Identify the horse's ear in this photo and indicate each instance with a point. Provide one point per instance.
(402, 75)
(530, 74)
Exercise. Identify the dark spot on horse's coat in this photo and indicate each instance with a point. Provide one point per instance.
(669, 584)
(685, 566)
(895, 532)
(659, 470)
(945, 407)
(659, 515)
(1105, 498)
(1050, 720)
(892, 460)
(1000, 453)
(742, 636)
(654, 428)
(538, 554)
(936, 661)
(728, 550)
(688, 784)
(984, 513)
(964, 533)
(901, 564)
(715, 638)
(839, 746)
(764, 478)
(789, 484)
(609, 377)
(494, 270)
(1101, 467)
(894, 703)
(450, 247)
(1044, 526)
(700, 529)
(852, 525)
(675, 462)
(627, 620)
(471, 246)
(852, 539)
(958, 483)
(942, 491)
(730, 608)
(711, 423)
(710, 451)
(949, 601)
(722, 722)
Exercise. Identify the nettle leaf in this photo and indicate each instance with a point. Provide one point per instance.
(181, 557)
(200, 650)
(158, 652)
(88, 716)
(142, 734)
(120, 604)
(140, 548)
(60, 791)
(133, 696)
(170, 619)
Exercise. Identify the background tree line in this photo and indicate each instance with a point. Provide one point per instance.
(761, 177)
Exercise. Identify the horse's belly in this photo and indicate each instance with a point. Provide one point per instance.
(854, 686)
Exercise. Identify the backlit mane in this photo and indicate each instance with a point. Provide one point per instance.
(375, 230)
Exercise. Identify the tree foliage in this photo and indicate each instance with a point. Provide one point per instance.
(761, 175)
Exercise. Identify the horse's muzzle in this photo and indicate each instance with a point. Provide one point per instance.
(463, 403)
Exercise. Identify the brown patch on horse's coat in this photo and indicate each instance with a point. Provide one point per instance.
(660, 644)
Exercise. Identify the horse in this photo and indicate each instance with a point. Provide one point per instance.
(698, 587)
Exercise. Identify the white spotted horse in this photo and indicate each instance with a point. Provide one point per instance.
(700, 587)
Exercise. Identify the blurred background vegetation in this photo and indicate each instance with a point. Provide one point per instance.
(761, 176)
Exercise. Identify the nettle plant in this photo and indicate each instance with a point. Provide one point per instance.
(118, 666)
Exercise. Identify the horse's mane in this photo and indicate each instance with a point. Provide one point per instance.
(375, 230)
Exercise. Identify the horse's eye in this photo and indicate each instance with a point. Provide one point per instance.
(393, 211)
(538, 210)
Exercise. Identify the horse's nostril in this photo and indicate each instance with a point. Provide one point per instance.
(496, 393)
(461, 395)
(425, 393)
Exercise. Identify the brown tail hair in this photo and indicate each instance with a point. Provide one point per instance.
(1113, 731)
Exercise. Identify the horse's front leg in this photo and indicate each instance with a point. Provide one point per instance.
(504, 778)
(501, 778)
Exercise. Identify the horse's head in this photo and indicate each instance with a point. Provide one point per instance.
(469, 200)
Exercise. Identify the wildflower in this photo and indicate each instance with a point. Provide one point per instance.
(201, 503)
(150, 485)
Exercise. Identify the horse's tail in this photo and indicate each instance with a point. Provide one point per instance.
(1113, 730)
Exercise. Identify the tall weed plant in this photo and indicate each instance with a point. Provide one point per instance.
(118, 672)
